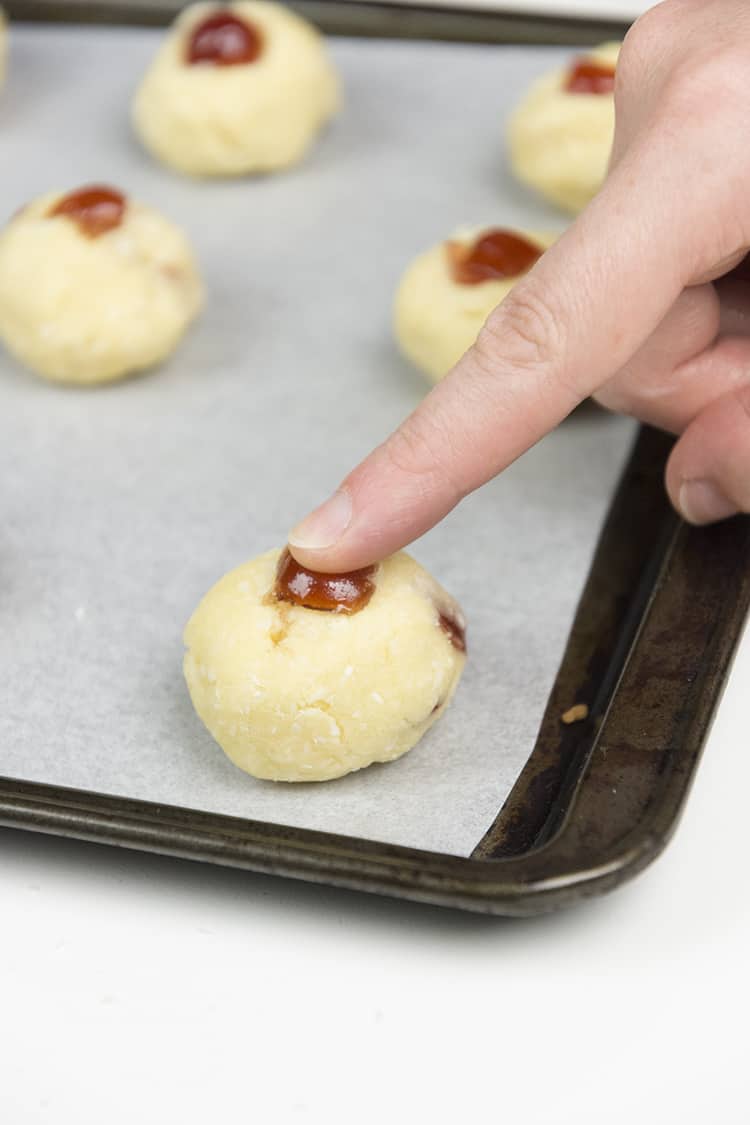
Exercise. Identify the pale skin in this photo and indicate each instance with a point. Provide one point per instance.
(643, 303)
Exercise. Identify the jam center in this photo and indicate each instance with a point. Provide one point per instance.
(454, 631)
(95, 209)
(336, 593)
(589, 77)
(495, 255)
(223, 39)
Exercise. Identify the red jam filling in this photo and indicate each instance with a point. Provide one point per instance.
(496, 254)
(336, 593)
(223, 39)
(589, 77)
(454, 631)
(94, 209)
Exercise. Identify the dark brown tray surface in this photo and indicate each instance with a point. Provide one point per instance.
(344, 17)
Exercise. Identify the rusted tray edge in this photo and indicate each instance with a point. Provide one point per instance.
(477, 886)
(634, 542)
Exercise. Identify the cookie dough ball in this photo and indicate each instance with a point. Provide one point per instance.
(447, 293)
(236, 89)
(560, 136)
(306, 677)
(3, 45)
(94, 286)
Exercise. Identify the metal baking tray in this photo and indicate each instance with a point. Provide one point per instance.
(485, 24)
(648, 653)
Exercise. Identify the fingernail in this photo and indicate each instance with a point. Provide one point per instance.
(325, 526)
(701, 501)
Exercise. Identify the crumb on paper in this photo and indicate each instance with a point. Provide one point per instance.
(575, 714)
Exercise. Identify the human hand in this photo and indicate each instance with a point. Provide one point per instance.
(642, 303)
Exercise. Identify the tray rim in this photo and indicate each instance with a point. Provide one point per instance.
(548, 874)
(397, 19)
(594, 849)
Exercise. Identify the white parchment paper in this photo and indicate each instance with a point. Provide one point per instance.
(119, 507)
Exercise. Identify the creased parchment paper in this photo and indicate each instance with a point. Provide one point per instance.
(119, 507)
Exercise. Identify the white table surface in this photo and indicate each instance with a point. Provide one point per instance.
(135, 989)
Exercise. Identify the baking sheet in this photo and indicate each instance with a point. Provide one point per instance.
(573, 9)
(120, 507)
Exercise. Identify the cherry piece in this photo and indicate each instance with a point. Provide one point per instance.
(222, 39)
(94, 209)
(496, 254)
(336, 593)
(589, 77)
(454, 631)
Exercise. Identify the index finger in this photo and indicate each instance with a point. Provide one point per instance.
(569, 324)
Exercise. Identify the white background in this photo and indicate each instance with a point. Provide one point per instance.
(140, 989)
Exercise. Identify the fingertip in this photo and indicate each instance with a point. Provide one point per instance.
(702, 502)
(330, 540)
(318, 534)
(708, 472)
(342, 558)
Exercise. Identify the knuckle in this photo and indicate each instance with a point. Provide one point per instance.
(646, 39)
(416, 450)
(638, 44)
(410, 451)
(693, 75)
(523, 330)
(655, 19)
(683, 86)
(524, 341)
(701, 81)
(681, 93)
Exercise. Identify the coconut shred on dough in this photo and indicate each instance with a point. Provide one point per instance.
(293, 693)
(94, 286)
(236, 89)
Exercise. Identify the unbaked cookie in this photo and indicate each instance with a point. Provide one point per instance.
(237, 89)
(560, 136)
(94, 286)
(447, 293)
(305, 677)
